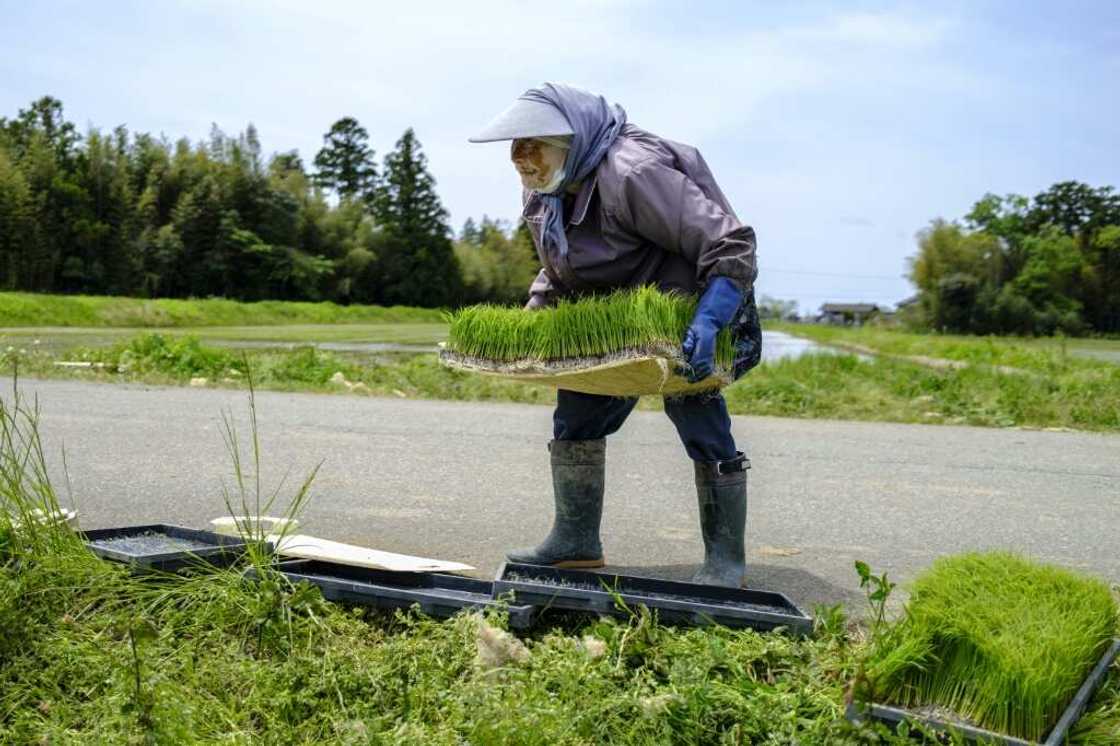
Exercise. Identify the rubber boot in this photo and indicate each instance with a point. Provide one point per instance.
(722, 496)
(578, 471)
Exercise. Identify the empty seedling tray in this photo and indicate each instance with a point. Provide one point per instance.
(162, 547)
(439, 595)
(675, 602)
(893, 716)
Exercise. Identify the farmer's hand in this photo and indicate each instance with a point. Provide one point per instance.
(536, 303)
(717, 308)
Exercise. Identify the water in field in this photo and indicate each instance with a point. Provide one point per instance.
(775, 345)
(781, 346)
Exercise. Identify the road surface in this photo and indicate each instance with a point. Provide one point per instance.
(465, 481)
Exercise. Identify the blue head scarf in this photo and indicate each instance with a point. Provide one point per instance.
(596, 124)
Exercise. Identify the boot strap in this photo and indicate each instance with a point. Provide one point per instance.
(739, 463)
(721, 468)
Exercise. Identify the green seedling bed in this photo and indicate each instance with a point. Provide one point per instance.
(893, 716)
(164, 547)
(589, 326)
(439, 595)
(675, 602)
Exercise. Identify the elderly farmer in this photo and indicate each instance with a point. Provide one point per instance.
(610, 205)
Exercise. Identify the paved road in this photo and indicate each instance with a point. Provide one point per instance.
(466, 480)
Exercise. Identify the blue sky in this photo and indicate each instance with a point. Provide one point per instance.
(838, 130)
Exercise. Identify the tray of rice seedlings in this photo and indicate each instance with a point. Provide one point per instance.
(675, 602)
(163, 547)
(994, 648)
(627, 343)
(439, 595)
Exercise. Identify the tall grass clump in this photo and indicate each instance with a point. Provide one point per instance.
(247, 501)
(30, 510)
(631, 320)
(999, 640)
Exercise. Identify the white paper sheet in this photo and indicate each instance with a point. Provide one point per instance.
(310, 547)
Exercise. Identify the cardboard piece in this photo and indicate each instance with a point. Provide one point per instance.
(314, 548)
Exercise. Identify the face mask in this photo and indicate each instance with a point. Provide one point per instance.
(553, 184)
(540, 162)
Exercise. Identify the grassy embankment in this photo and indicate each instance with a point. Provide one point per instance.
(41, 310)
(92, 654)
(999, 382)
(1049, 386)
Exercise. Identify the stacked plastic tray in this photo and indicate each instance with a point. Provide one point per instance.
(523, 590)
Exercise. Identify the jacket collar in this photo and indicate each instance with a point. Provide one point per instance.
(532, 208)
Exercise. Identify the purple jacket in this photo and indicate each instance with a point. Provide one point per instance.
(651, 214)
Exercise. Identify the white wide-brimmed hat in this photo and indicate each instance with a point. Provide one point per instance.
(525, 119)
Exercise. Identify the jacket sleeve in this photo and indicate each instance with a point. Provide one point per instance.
(667, 208)
(541, 291)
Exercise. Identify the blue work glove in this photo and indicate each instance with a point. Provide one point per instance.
(717, 308)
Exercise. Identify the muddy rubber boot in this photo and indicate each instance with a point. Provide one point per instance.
(578, 471)
(721, 490)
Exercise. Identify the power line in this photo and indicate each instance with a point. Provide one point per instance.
(841, 274)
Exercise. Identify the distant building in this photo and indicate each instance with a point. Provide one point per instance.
(848, 314)
(907, 302)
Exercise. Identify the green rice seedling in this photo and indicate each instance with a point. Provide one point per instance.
(638, 320)
(999, 640)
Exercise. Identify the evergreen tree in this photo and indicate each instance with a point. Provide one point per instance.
(345, 163)
(43, 119)
(418, 266)
(469, 233)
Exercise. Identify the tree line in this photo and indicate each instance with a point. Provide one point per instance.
(120, 213)
(1018, 265)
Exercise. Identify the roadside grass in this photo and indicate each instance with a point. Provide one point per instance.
(36, 309)
(175, 360)
(91, 653)
(1083, 395)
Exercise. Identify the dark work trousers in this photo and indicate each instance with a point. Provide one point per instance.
(701, 420)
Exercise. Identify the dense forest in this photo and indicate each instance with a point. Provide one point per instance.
(1024, 266)
(122, 213)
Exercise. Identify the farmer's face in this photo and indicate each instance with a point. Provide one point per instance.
(536, 161)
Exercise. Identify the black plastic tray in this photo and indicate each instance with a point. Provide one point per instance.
(675, 602)
(439, 595)
(857, 713)
(196, 547)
